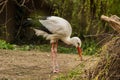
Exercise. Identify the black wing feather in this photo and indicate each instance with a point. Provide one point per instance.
(36, 24)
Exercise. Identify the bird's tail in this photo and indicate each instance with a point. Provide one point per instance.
(38, 28)
(41, 33)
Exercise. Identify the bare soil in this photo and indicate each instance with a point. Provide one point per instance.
(36, 65)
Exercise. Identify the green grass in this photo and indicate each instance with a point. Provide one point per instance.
(88, 47)
(61, 49)
(73, 74)
(4, 45)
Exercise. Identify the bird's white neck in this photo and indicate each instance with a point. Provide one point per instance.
(67, 40)
(75, 41)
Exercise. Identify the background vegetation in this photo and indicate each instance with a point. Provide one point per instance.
(84, 16)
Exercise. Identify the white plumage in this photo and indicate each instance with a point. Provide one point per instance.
(60, 29)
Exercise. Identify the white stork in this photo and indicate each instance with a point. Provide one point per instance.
(58, 28)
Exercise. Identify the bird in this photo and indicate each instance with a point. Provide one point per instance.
(56, 28)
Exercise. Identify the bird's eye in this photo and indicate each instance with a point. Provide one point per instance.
(78, 44)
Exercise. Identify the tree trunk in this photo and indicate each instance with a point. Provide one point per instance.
(7, 22)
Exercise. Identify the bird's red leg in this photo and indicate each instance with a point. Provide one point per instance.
(56, 63)
(54, 55)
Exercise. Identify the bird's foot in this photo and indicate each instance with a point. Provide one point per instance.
(79, 59)
(56, 68)
(56, 71)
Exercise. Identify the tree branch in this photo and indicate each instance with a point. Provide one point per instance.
(23, 3)
(3, 5)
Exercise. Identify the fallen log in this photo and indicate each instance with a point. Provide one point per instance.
(114, 22)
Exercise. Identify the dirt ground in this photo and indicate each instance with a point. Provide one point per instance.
(35, 65)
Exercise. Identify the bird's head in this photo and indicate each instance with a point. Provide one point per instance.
(77, 43)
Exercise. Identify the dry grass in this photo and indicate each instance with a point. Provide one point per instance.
(108, 68)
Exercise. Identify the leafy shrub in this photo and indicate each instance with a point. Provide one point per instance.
(5, 45)
(90, 47)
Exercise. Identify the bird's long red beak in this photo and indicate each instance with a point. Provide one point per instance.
(79, 52)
